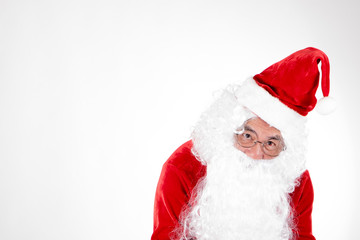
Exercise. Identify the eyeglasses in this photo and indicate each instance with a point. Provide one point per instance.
(271, 147)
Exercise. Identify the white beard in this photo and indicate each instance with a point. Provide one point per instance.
(240, 198)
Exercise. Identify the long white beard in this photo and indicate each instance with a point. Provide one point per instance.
(240, 198)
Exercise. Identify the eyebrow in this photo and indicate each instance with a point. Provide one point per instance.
(276, 137)
(247, 128)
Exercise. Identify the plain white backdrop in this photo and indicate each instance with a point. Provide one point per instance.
(95, 96)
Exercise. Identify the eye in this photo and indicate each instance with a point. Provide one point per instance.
(271, 145)
(246, 136)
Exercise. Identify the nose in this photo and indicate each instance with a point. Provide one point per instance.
(255, 152)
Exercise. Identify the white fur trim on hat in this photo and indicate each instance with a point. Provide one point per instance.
(269, 108)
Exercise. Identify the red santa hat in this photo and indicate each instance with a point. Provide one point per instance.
(285, 92)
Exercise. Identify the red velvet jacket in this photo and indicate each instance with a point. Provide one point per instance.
(179, 175)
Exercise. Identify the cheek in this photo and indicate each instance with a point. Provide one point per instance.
(239, 147)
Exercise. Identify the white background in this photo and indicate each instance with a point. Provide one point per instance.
(95, 96)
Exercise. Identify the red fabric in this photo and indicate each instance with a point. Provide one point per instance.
(179, 175)
(295, 79)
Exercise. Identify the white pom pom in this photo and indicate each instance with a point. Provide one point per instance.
(326, 105)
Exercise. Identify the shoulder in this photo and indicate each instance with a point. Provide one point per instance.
(304, 190)
(305, 176)
(184, 161)
(305, 183)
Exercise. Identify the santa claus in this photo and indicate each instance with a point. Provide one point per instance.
(242, 175)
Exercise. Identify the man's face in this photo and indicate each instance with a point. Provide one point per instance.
(268, 139)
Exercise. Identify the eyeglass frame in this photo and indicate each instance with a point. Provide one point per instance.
(237, 132)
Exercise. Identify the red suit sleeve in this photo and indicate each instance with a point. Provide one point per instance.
(178, 177)
(302, 202)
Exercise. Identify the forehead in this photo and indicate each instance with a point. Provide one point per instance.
(261, 127)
